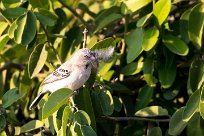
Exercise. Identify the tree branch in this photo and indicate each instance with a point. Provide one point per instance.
(50, 43)
(12, 65)
(74, 12)
(116, 119)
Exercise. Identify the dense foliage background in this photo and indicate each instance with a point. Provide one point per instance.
(153, 84)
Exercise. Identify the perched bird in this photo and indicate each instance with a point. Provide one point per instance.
(72, 74)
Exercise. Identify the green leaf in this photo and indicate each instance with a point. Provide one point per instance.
(26, 29)
(176, 124)
(196, 73)
(103, 44)
(152, 111)
(3, 40)
(82, 118)
(3, 26)
(195, 127)
(87, 131)
(201, 104)
(132, 68)
(148, 69)
(13, 12)
(106, 12)
(183, 25)
(155, 131)
(106, 101)
(144, 97)
(10, 3)
(51, 105)
(12, 29)
(134, 42)
(32, 125)
(191, 106)
(39, 3)
(175, 45)
(195, 25)
(10, 97)
(150, 38)
(37, 60)
(107, 21)
(167, 70)
(46, 17)
(117, 104)
(67, 113)
(142, 21)
(2, 123)
(84, 102)
(161, 10)
(130, 6)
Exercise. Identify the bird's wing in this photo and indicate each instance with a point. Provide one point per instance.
(60, 73)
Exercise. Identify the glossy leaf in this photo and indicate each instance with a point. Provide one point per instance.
(155, 131)
(13, 12)
(161, 10)
(152, 111)
(107, 42)
(82, 118)
(145, 92)
(12, 29)
(150, 38)
(132, 68)
(108, 20)
(134, 43)
(106, 101)
(32, 125)
(10, 97)
(39, 3)
(3, 26)
(66, 116)
(196, 74)
(201, 104)
(175, 45)
(191, 106)
(84, 102)
(195, 127)
(144, 20)
(10, 3)
(130, 6)
(176, 124)
(51, 105)
(167, 70)
(37, 60)
(46, 17)
(3, 40)
(148, 69)
(183, 25)
(117, 104)
(195, 25)
(26, 29)
(87, 131)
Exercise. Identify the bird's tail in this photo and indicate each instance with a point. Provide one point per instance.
(37, 100)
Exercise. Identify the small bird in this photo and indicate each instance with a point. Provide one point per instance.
(72, 74)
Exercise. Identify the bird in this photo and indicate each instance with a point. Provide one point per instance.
(72, 74)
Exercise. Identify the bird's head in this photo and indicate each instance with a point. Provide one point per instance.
(85, 56)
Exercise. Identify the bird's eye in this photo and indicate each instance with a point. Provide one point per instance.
(86, 56)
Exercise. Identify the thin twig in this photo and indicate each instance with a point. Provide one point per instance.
(12, 65)
(85, 37)
(50, 43)
(116, 119)
(74, 12)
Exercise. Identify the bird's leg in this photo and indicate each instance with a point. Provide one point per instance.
(73, 104)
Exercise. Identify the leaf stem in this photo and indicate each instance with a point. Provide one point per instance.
(74, 12)
(50, 43)
(134, 119)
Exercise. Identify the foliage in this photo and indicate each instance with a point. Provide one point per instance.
(153, 84)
